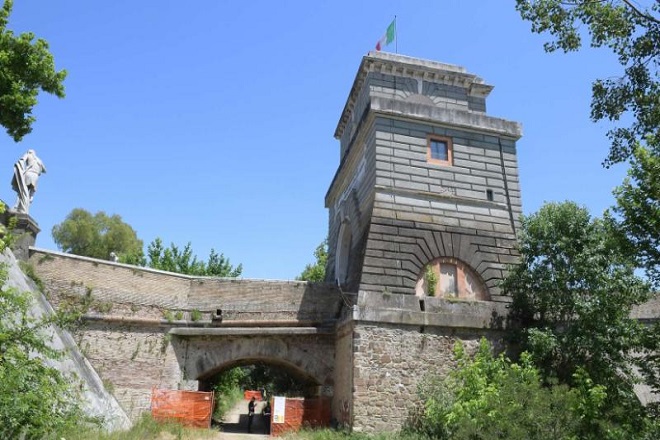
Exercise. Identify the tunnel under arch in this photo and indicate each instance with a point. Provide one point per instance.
(307, 383)
(308, 357)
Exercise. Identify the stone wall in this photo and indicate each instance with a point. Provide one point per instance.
(396, 344)
(131, 360)
(145, 328)
(146, 293)
(399, 209)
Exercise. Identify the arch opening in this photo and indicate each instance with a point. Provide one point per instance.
(448, 277)
(272, 375)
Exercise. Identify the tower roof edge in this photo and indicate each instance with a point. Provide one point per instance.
(403, 65)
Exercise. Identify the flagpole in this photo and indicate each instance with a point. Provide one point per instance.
(396, 37)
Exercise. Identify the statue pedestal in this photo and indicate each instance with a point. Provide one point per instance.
(25, 232)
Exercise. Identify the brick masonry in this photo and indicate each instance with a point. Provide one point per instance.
(132, 314)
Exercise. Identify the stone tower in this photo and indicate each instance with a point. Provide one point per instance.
(426, 199)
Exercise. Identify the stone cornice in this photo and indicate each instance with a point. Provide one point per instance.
(405, 66)
(459, 118)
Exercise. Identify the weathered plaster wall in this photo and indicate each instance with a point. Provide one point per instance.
(342, 402)
(131, 360)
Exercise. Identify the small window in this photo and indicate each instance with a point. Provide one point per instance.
(439, 150)
(448, 285)
(489, 195)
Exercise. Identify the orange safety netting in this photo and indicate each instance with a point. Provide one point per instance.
(249, 394)
(191, 408)
(312, 412)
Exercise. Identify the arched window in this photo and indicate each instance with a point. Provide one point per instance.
(450, 278)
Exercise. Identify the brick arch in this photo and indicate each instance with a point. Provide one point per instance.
(306, 356)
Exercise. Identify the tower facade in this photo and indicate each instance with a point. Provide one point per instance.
(426, 200)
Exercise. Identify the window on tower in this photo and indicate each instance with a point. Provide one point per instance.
(439, 150)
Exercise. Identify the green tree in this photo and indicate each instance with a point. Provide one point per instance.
(632, 33)
(97, 235)
(316, 272)
(26, 67)
(638, 205)
(173, 259)
(573, 292)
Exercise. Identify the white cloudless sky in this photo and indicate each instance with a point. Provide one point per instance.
(212, 122)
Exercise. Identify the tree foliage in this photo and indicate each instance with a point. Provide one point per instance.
(97, 235)
(638, 205)
(573, 292)
(26, 67)
(174, 259)
(489, 397)
(632, 33)
(316, 272)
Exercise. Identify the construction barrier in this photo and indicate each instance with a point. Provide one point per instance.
(249, 394)
(296, 413)
(190, 408)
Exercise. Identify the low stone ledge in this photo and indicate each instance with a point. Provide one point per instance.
(242, 331)
(428, 311)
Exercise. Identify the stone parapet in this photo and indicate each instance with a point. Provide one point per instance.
(387, 308)
(140, 292)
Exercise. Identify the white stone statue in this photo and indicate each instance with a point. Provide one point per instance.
(26, 173)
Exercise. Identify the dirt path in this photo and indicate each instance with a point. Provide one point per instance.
(234, 426)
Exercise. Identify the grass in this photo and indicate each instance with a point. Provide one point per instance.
(145, 429)
(149, 429)
(329, 434)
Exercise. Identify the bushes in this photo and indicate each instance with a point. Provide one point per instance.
(490, 397)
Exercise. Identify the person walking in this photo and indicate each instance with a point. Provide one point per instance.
(251, 406)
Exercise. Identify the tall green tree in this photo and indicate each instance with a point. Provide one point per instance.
(638, 207)
(26, 67)
(573, 292)
(316, 271)
(632, 33)
(174, 259)
(97, 235)
(631, 100)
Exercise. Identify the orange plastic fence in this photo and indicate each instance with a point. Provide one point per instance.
(249, 394)
(190, 408)
(298, 413)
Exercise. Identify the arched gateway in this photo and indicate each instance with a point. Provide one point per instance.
(305, 353)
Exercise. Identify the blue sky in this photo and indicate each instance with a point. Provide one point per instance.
(212, 122)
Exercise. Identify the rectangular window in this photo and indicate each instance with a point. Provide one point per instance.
(448, 280)
(439, 150)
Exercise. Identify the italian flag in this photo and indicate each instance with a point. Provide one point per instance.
(389, 36)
